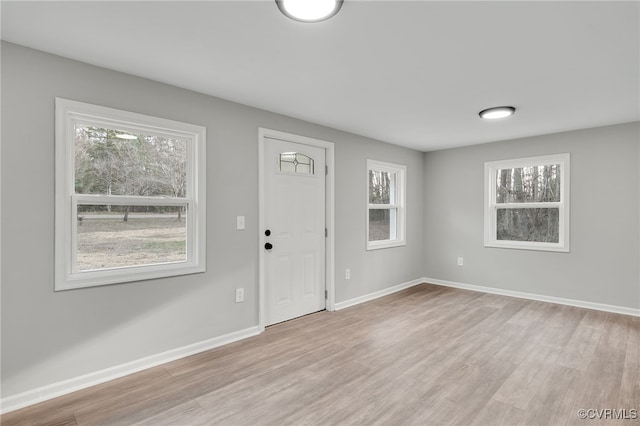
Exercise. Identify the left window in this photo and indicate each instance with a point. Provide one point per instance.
(130, 196)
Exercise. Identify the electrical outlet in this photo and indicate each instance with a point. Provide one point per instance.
(460, 261)
(240, 222)
(239, 295)
(347, 274)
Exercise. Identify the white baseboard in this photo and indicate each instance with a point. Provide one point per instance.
(44, 393)
(377, 294)
(542, 298)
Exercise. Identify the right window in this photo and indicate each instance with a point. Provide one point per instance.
(527, 203)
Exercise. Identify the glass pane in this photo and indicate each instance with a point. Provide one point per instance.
(286, 166)
(288, 156)
(381, 187)
(541, 225)
(115, 162)
(116, 236)
(528, 184)
(303, 159)
(295, 162)
(382, 224)
(303, 169)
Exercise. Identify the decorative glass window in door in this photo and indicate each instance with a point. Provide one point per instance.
(295, 162)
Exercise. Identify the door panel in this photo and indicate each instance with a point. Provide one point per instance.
(309, 274)
(282, 280)
(294, 211)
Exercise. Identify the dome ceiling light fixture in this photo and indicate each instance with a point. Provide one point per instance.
(497, 112)
(309, 10)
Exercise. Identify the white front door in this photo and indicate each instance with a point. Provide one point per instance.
(294, 234)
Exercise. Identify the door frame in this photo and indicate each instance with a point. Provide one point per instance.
(329, 148)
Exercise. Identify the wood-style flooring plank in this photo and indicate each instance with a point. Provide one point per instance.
(534, 313)
(188, 413)
(496, 413)
(553, 403)
(520, 388)
(560, 327)
(630, 387)
(27, 417)
(579, 350)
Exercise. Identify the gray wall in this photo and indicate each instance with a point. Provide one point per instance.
(48, 337)
(602, 266)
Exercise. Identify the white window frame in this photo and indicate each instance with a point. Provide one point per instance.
(400, 172)
(491, 207)
(68, 113)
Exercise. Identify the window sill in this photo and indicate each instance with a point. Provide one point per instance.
(376, 245)
(519, 245)
(126, 274)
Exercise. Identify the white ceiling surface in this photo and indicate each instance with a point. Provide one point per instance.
(410, 73)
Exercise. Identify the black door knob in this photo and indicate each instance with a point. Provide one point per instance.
(268, 246)
(267, 232)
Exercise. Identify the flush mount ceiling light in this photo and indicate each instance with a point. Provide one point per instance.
(309, 10)
(497, 112)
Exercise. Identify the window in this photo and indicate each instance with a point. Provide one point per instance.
(386, 205)
(527, 203)
(130, 196)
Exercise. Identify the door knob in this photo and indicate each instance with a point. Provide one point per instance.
(267, 232)
(268, 246)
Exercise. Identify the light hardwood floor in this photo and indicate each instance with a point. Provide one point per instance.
(426, 355)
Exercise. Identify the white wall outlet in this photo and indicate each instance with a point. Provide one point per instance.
(460, 261)
(239, 295)
(347, 274)
(240, 222)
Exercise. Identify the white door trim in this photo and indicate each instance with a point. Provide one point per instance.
(329, 148)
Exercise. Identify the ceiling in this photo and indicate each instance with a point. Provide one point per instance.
(411, 73)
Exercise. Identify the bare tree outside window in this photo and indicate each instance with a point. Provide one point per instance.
(380, 193)
(107, 163)
(385, 202)
(145, 166)
(527, 203)
(535, 184)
